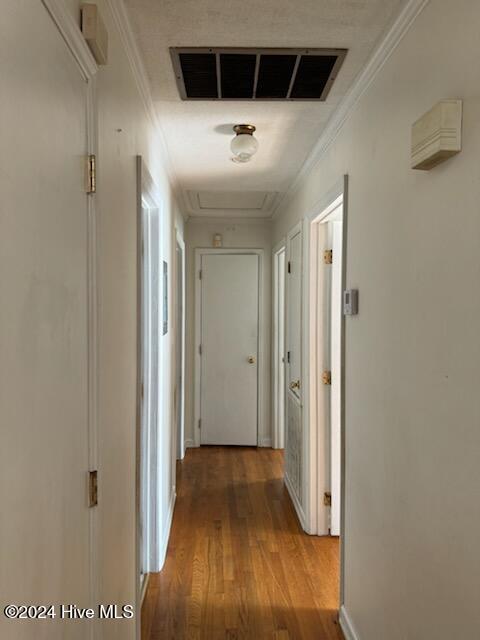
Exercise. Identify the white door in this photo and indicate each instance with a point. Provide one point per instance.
(229, 349)
(294, 428)
(44, 454)
(333, 360)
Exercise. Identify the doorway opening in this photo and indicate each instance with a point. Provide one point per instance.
(148, 378)
(326, 360)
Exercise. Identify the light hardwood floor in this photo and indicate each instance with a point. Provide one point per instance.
(238, 564)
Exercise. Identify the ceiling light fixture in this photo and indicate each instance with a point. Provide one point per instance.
(244, 145)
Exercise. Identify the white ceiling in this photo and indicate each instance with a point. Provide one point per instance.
(198, 134)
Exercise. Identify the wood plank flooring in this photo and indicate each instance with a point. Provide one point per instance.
(238, 564)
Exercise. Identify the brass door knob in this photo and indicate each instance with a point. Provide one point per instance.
(295, 384)
(251, 359)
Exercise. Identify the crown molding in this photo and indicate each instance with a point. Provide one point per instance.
(222, 219)
(360, 85)
(72, 34)
(120, 16)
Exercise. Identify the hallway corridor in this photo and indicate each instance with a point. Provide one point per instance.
(238, 564)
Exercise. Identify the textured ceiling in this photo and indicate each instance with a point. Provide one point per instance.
(198, 134)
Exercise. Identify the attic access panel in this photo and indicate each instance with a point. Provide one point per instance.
(255, 74)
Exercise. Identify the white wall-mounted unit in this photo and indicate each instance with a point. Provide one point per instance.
(437, 135)
(95, 32)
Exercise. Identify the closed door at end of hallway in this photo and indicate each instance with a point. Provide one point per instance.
(229, 348)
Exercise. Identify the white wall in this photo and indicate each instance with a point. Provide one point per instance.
(412, 567)
(253, 234)
(121, 108)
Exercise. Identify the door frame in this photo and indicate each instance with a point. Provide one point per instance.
(316, 511)
(199, 252)
(180, 246)
(278, 438)
(146, 192)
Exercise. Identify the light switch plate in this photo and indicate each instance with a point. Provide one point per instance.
(350, 302)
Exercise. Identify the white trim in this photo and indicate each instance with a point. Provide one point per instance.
(347, 625)
(144, 587)
(93, 368)
(73, 36)
(122, 22)
(199, 252)
(310, 483)
(265, 442)
(179, 241)
(222, 219)
(296, 504)
(362, 82)
(189, 443)
(278, 440)
(163, 546)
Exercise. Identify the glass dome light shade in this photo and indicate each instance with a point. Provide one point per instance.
(244, 146)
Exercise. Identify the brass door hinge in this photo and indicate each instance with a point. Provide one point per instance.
(93, 488)
(91, 181)
(200, 274)
(328, 256)
(289, 267)
(199, 424)
(327, 377)
(327, 499)
(200, 349)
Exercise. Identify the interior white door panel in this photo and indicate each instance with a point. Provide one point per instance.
(229, 349)
(44, 455)
(294, 428)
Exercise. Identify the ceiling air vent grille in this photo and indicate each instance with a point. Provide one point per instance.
(256, 74)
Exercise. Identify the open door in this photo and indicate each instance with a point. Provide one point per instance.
(332, 373)
(325, 347)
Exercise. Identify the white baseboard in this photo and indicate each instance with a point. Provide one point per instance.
(143, 593)
(296, 503)
(265, 442)
(162, 552)
(189, 443)
(347, 626)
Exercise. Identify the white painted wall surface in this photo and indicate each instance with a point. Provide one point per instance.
(412, 567)
(120, 107)
(245, 234)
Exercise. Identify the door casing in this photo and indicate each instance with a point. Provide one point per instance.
(198, 332)
(278, 344)
(180, 347)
